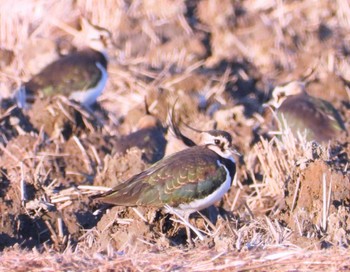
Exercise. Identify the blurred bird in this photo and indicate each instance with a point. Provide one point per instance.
(80, 76)
(149, 138)
(304, 112)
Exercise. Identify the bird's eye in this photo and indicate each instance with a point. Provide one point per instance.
(217, 142)
(281, 95)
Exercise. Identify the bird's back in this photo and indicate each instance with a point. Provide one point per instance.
(317, 116)
(180, 178)
(76, 71)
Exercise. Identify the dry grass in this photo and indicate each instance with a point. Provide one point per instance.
(271, 259)
(225, 58)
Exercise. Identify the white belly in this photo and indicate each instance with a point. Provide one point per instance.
(89, 96)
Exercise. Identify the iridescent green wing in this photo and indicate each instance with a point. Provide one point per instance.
(327, 109)
(66, 75)
(180, 178)
(318, 117)
(193, 175)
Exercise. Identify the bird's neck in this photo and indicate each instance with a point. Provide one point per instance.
(222, 153)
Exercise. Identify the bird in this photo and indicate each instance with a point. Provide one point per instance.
(188, 181)
(149, 138)
(305, 113)
(81, 76)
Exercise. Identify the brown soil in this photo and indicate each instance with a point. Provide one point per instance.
(219, 63)
(305, 202)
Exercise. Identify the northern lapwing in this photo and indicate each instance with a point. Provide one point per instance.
(187, 181)
(80, 76)
(149, 137)
(305, 113)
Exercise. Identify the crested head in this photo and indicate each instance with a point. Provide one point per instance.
(280, 93)
(220, 142)
(92, 36)
(95, 37)
(148, 121)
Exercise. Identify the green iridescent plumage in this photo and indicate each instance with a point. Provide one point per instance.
(181, 178)
(319, 118)
(306, 113)
(189, 180)
(80, 76)
(74, 72)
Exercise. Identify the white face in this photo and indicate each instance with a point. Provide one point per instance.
(99, 41)
(219, 144)
(280, 93)
(95, 37)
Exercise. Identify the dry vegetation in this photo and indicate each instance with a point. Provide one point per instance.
(289, 206)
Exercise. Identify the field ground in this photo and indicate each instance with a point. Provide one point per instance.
(288, 209)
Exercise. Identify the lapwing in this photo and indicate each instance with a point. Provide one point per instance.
(149, 137)
(187, 181)
(80, 76)
(305, 113)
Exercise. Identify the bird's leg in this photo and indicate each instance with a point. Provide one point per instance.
(211, 219)
(188, 231)
(140, 215)
(184, 220)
